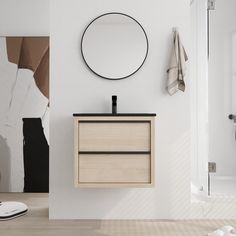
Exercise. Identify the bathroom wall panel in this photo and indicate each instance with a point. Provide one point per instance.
(18, 18)
(73, 88)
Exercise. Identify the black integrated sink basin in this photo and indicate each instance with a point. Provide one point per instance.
(117, 114)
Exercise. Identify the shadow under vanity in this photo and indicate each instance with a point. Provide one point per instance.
(114, 150)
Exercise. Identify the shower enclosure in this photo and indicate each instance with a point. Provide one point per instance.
(214, 96)
(222, 96)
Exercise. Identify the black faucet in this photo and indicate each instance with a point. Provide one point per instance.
(232, 117)
(114, 104)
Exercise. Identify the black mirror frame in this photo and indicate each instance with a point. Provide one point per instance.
(81, 46)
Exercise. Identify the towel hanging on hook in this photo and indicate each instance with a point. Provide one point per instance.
(177, 67)
(175, 29)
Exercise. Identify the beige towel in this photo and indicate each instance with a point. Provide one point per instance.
(177, 67)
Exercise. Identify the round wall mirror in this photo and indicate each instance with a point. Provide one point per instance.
(114, 46)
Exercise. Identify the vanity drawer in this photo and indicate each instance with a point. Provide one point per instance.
(114, 168)
(114, 136)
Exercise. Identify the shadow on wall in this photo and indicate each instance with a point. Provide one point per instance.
(5, 166)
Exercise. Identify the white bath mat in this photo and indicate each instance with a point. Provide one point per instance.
(10, 210)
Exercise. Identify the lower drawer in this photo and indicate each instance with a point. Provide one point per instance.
(114, 168)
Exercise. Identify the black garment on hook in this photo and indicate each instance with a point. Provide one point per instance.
(36, 156)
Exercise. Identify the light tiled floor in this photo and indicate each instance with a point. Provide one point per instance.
(36, 223)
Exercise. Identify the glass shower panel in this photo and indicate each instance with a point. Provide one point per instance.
(222, 97)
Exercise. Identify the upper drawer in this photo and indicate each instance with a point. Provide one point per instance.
(114, 136)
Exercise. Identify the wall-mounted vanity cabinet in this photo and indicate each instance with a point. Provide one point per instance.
(114, 150)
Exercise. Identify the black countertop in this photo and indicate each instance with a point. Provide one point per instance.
(118, 114)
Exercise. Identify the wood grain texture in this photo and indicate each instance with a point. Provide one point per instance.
(114, 168)
(109, 134)
(76, 149)
(152, 162)
(114, 137)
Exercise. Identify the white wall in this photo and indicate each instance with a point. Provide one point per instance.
(24, 18)
(222, 146)
(74, 88)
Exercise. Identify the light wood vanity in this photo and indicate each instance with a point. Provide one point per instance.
(114, 150)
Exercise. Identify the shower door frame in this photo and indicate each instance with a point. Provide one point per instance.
(199, 95)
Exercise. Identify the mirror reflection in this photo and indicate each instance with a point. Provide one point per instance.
(114, 46)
